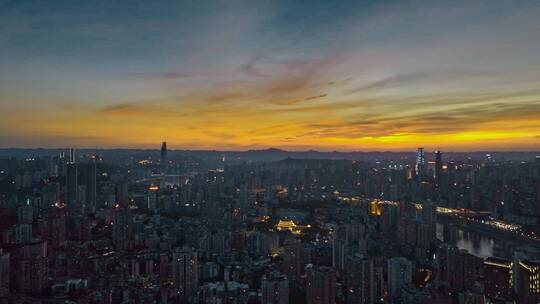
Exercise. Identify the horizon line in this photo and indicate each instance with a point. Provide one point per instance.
(272, 148)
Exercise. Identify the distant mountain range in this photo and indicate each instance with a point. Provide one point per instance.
(274, 154)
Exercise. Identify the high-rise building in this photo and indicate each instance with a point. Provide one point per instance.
(122, 194)
(360, 280)
(339, 253)
(457, 268)
(121, 218)
(498, 277)
(5, 266)
(152, 198)
(291, 259)
(90, 187)
(399, 274)
(32, 269)
(429, 212)
(32, 275)
(164, 157)
(275, 288)
(438, 168)
(71, 179)
(527, 281)
(420, 162)
(23, 233)
(56, 230)
(185, 273)
(537, 165)
(122, 226)
(25, 213)
(72, 156)
(321, 285)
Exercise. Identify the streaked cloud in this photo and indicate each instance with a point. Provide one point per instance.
(350, 75)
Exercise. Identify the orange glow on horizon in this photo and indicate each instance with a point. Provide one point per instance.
(326, 124)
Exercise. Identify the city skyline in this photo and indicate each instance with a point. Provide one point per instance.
(345, 76)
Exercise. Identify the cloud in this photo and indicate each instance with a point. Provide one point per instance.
(251, 68)
(315, 97)
(422, 78)
(164, 75)
(256, 73)
(123, 109)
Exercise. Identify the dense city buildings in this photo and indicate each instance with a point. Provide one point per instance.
(269, 227)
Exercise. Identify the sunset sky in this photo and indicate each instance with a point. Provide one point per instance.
(297, 75)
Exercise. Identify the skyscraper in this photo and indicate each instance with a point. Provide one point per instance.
(291, 259)
(537, 163)
(56, 232)
(275, 288)
(122, 226)
(420, 162)
(360, 280)
(71, 179)
(321, 285)
(90, 186)
(438, 168)
(23, 233)
(399, 274)
(498, 274)
(163, 157)
(72, 156)
(31, 269)
(527, 281)
(25, 213)
(185, 276)
(5, 266)
(122, 194)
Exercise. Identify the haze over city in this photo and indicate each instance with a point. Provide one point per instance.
(296, 75)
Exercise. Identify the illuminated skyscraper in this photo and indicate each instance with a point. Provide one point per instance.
(71, 178)
(420, 162)
(72, 156)
(527, 281)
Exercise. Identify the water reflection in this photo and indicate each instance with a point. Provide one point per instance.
(480, 246)
(475, 243)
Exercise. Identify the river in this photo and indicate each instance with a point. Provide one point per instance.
(476, 243)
